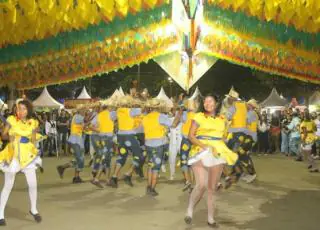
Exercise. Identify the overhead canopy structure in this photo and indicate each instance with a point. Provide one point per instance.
(274, 100)
(163, 96)
(48, 42)
(84, 94)
(45, 100)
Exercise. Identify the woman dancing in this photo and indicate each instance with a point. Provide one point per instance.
(20, 154)
(208, 155)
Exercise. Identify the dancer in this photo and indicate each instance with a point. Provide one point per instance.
(20, 155)
(308, 137)
(249, 141)
(76, 143)
(103, 125)
(237, 117)
(208, 155)
(187, 117)
(127, 140)
(154, 125)
(174, 145)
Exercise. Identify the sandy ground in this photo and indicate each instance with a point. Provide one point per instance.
(285, 196)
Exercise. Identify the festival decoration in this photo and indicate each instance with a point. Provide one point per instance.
(47, 42)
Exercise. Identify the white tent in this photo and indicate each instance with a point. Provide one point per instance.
(314, 101)
(162, 95)
(273, 102)
(45, 100)
(116, 94)
(121, 91)
(84, 94)
(3, 105)
(196, 94)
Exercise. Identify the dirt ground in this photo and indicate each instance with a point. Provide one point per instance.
(285, 196)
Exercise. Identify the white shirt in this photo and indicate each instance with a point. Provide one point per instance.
(51, 127)
(317, 122)
(263, 127)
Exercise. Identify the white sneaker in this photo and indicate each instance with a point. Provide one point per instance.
(171, 178)
(251, 178)
(163, 168)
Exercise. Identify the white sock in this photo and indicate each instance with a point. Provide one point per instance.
(32, 184)
(7, 187)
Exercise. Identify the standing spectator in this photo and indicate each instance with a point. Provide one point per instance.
(317, 122)
(51, 132)
(275, 134)
(263, 135)
(63, 124)
(294, 138)
(285, 134)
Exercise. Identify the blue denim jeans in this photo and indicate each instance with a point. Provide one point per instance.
(284, 142)
(294, 146)
(78, 153)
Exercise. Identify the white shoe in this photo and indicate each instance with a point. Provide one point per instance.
(171, 178)
(163, 168)
(251, 178)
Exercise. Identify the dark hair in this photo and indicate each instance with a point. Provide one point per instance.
(307, 115)
(216, 98)
(29, 107)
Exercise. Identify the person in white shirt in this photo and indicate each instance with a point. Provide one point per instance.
(263, 135)
(51, 133)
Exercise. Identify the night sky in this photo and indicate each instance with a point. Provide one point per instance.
(217, 80)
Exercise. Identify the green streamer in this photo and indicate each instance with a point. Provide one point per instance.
(93, 33)
(262, 29)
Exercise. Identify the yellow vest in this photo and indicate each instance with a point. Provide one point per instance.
(76, 129)
(253, 126)
(239, 119)
(138, 121)
(186, 126)
(106, 125)
(152, 128)
(125, 121)
(311, 128)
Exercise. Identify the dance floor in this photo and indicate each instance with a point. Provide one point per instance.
(285, 196)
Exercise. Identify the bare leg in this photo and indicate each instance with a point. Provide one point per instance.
(214, 174)
(200, 174)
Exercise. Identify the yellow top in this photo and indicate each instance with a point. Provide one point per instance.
(125, 121)
(311, 129)
(214, 127)
(186, 126)
(152, 127)
(21, 147)
(106, 125)
(239, 118)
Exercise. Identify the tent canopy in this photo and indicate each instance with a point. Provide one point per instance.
(163, 96)
(121, 91)
(45, 100)
(84, 94)
(3, 105)
(315, 98)
(273, 99)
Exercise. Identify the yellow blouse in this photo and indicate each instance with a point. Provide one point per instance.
(214, 127)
